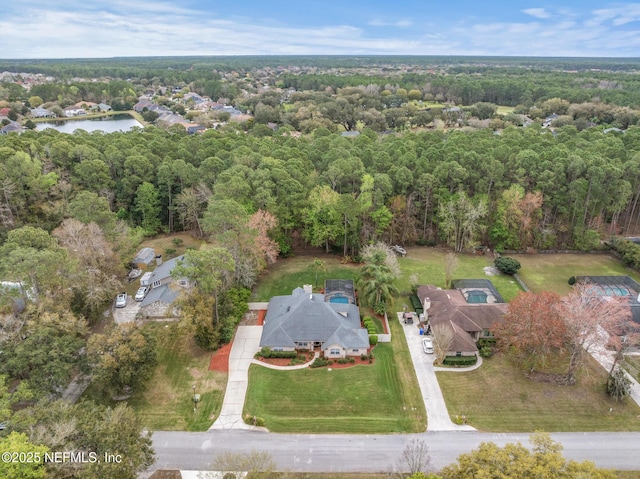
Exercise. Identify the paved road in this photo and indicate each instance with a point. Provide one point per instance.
(373, 453)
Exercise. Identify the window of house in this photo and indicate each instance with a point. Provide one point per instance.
(487, 333)
(278, 349)
(302, 345)
(355, 350)
(156, 284)
(334, 351)
(182, 282)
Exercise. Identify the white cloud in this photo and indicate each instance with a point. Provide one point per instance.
(399, 23)
(155, 28)
(537, 13)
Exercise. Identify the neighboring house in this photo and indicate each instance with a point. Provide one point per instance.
(103, 107)
(42, 113)
(162, 274)
(12, 127)
(71, 111)
(193, 129)
(468, 321)
(305, 321)
(159, 302)
(5, 111)
(546, 123)
(350, 134)
(142, 104)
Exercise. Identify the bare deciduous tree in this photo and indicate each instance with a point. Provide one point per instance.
(258, 464)
(450, 265)
(443, 335)
(414, 458)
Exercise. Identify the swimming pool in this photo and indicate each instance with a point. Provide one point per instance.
(338, 298)
(476, 296)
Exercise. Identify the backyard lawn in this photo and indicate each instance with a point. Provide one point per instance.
(428, 265)
(379, 398)
(167, 402)
(287, 274)
(551, 272)
(498, 397)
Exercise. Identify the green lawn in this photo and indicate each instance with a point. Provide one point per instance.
(498, 397)
(378, 398)
(550, 272)
(428, 265)
(167, 402)
(505, 110)
(290, 273)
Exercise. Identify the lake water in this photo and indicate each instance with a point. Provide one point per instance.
(108, 124)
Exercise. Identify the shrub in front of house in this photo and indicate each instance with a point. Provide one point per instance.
(320, 362)
(269, 353)
(373, 339)
(460, 360)
(486, 351)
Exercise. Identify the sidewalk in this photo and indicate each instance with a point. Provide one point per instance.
(245, 344)
(437, 414)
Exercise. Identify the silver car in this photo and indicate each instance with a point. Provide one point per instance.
(121, 300)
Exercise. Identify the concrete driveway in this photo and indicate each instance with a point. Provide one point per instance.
(437, 414)
(246, 344)
(128, 313)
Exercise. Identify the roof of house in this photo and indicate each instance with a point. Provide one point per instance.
(162, 293)
(450, 307)
(104, 106)
(306, 317)
(164, 270)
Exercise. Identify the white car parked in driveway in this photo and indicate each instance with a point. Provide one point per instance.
(121, 300)
(141, 293)
(427, 345)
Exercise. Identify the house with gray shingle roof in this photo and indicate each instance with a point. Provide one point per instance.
(305, 321)
(159, 301)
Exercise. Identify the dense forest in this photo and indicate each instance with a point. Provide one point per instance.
(531, 187)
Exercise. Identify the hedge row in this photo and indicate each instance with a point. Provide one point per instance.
(460, 360)
(629, 252)
(269, 353)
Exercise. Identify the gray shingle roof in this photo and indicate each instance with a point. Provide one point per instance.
(304, 317)
(162, 293)
(164, 270)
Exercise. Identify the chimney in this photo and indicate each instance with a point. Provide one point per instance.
(158, 260)
(427, 303)
(307, 288)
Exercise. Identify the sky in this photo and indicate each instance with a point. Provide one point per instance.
(121, 28)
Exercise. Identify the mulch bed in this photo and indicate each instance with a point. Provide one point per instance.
(220, 359)
(335, 365)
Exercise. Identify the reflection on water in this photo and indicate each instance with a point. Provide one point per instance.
(107, 124)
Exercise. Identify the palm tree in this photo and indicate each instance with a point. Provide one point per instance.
(376, 284)
(318, 265)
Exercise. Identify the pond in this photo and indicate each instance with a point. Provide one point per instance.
(107, 124)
